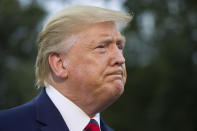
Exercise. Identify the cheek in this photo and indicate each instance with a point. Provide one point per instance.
(124, 74)
(88, 71)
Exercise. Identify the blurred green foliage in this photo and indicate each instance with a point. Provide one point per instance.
(161, 54)
(19, 29)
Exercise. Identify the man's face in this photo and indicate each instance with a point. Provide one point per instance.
(96, 66)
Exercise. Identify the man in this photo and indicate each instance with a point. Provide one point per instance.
(80, 66)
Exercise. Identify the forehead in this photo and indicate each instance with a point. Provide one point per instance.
(100, 30)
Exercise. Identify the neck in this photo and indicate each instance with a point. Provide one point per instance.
(86, 105)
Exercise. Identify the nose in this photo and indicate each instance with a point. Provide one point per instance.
(117, 56)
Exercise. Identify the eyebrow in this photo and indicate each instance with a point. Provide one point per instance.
(108, 40)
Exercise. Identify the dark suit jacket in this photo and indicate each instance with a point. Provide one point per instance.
(40, 114)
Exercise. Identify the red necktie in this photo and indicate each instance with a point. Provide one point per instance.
(92, 126)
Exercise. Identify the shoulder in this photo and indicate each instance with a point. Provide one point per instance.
(17, 116)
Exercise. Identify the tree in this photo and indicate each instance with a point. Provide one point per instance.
(19, 28)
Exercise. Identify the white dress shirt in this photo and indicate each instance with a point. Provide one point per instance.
(75, 118)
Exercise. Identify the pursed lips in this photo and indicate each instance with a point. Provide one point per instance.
(117, 73)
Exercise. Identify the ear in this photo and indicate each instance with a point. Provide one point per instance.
(57, 65)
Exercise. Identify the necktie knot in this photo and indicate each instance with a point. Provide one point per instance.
(92, 126)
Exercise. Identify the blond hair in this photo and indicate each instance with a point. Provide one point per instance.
(61, 26)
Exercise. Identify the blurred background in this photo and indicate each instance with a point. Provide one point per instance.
(161, 53)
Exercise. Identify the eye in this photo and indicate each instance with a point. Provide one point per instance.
(120, 45)
(101, 46)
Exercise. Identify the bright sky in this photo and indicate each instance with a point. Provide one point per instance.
(53, 6)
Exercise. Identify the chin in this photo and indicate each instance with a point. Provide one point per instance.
(118, 88)
(110, 95)
(114, 92)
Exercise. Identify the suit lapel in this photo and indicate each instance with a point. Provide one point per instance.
(105, 127)
(50, 118)
(47, 114)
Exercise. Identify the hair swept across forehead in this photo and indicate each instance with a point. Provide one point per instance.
(76, 15)
(62, 25)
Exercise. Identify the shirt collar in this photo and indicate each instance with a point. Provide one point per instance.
(70, 112)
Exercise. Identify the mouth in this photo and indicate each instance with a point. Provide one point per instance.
(116, 74)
